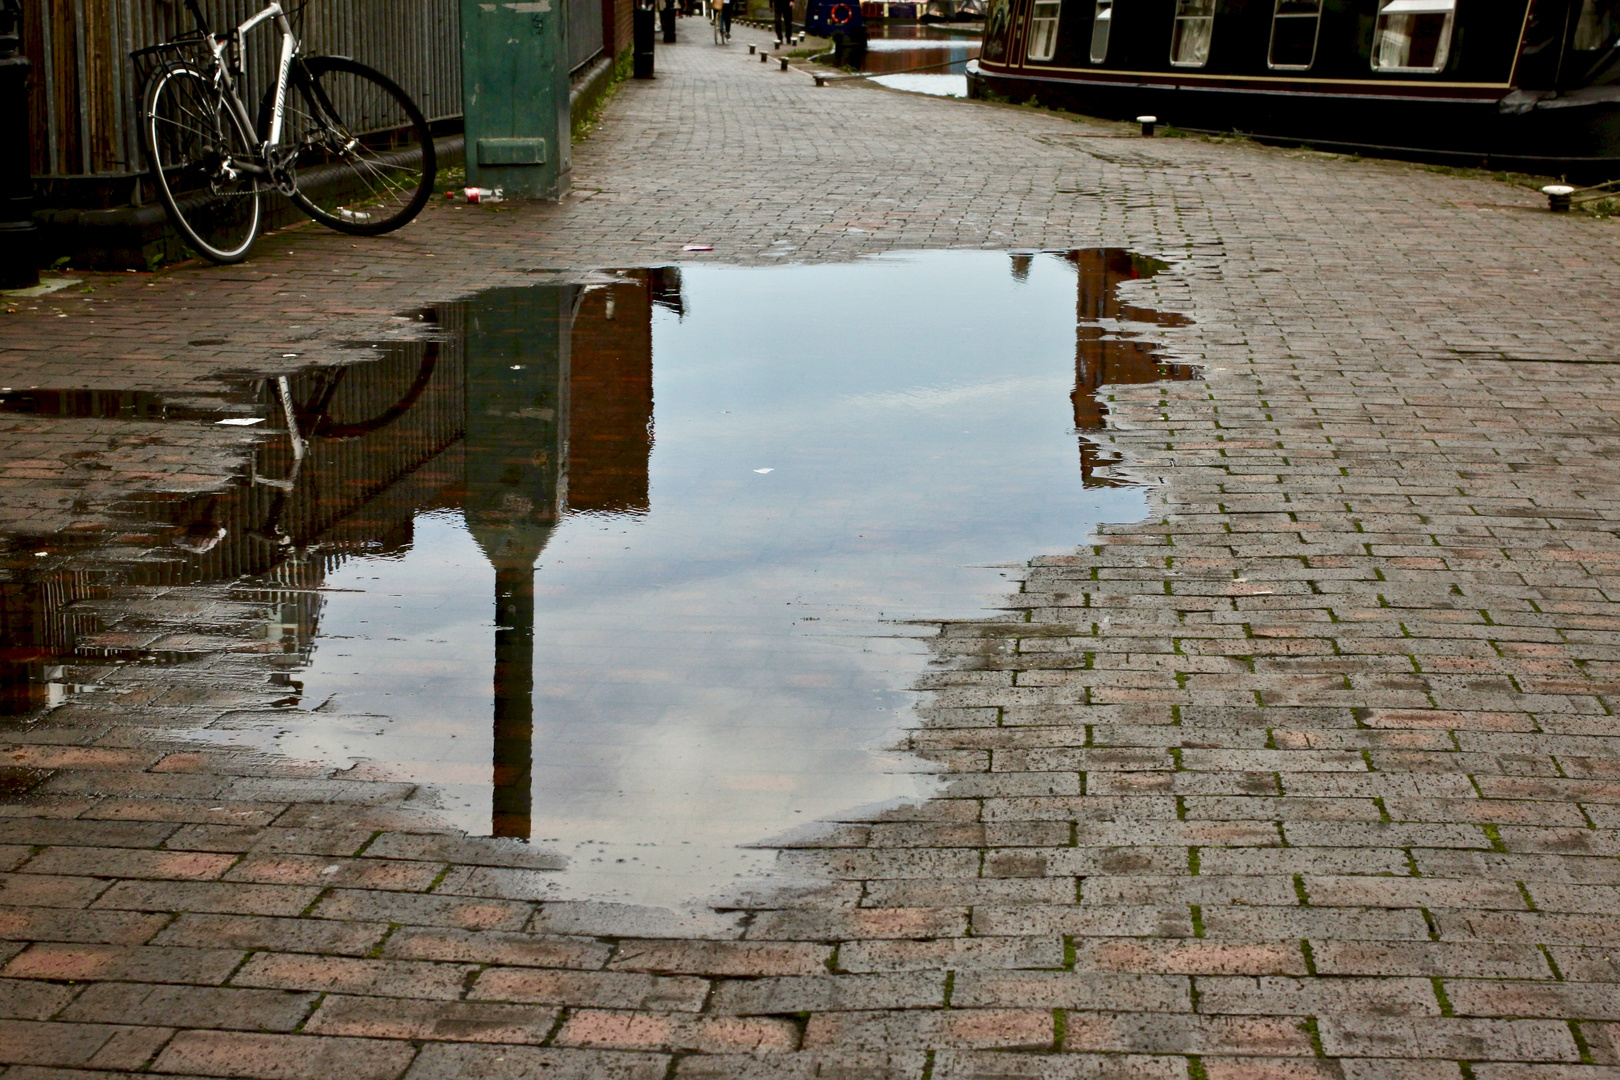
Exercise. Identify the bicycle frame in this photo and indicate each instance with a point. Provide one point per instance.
(218, 136)
(232, 43)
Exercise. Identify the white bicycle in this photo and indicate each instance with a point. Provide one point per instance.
(342, 141)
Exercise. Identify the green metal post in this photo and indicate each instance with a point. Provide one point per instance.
(515, 450)
(515, 96)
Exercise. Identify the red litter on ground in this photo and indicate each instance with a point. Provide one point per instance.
(698, 247)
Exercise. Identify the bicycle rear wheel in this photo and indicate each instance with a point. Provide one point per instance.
(195, 145)
(365, 161)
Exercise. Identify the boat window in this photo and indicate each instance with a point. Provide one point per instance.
(1043, 23)
(1293, 34)
(1597, 26)
(1195, 25)
(1100, 23)
(1413, 35)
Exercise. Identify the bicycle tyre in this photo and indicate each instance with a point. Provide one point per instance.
(189, 135)
(364, 148)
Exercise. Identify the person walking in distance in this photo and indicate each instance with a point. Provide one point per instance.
(720, 16)
(784, 21)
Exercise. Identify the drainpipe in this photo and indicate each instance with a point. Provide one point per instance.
(19, 267)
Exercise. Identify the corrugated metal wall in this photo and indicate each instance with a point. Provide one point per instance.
(584, 31)
(83, 99)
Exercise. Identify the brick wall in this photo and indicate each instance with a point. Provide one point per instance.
(616, 26)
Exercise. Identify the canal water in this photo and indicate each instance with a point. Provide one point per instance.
(636, 565)
(924, 58)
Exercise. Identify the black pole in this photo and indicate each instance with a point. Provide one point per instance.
(19, 243)
(644, 29)
(514, 701)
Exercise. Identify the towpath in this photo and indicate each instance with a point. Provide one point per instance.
(1314, 773)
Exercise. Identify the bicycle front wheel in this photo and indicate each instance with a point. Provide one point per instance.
(196, 146)
(365, 162)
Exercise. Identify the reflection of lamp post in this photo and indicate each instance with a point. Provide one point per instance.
(23, 615)
(517, 420)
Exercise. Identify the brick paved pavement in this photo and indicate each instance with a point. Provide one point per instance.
(1312, 774)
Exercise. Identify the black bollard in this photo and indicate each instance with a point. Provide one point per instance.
(666, 17)
(19, 239)
(643, 31)
(855, 55)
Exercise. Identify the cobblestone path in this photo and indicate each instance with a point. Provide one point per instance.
(1315, 773)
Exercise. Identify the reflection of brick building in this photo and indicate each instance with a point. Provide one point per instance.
(1106, 351)
(611, 394)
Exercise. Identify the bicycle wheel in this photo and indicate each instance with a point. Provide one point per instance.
(194, 144)
(365, 162)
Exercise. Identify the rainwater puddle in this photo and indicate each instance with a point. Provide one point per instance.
(635, 565)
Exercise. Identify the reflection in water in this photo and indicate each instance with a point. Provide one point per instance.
(1108, 349)
(920, 58)
(517, 365)
(110, 405)
(470, 564)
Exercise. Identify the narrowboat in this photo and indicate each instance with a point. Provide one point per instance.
(951, 11)
(834, 18)
(1531, 85)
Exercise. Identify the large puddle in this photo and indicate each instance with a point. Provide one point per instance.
(634, 564)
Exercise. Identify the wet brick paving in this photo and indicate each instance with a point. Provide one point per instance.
(1312, 774)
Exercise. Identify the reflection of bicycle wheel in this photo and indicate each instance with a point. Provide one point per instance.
(316, 418)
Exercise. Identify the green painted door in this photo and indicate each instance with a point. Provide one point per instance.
(515, 94)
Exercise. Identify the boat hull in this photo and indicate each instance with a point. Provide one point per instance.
(1553, 136)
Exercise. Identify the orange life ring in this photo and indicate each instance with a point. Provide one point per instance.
(839, 14)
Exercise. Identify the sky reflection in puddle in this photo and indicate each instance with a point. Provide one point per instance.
(630, 564)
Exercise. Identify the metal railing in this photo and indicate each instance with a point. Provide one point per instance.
(84, 88)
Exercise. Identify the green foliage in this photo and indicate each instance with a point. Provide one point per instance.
(586, 121)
